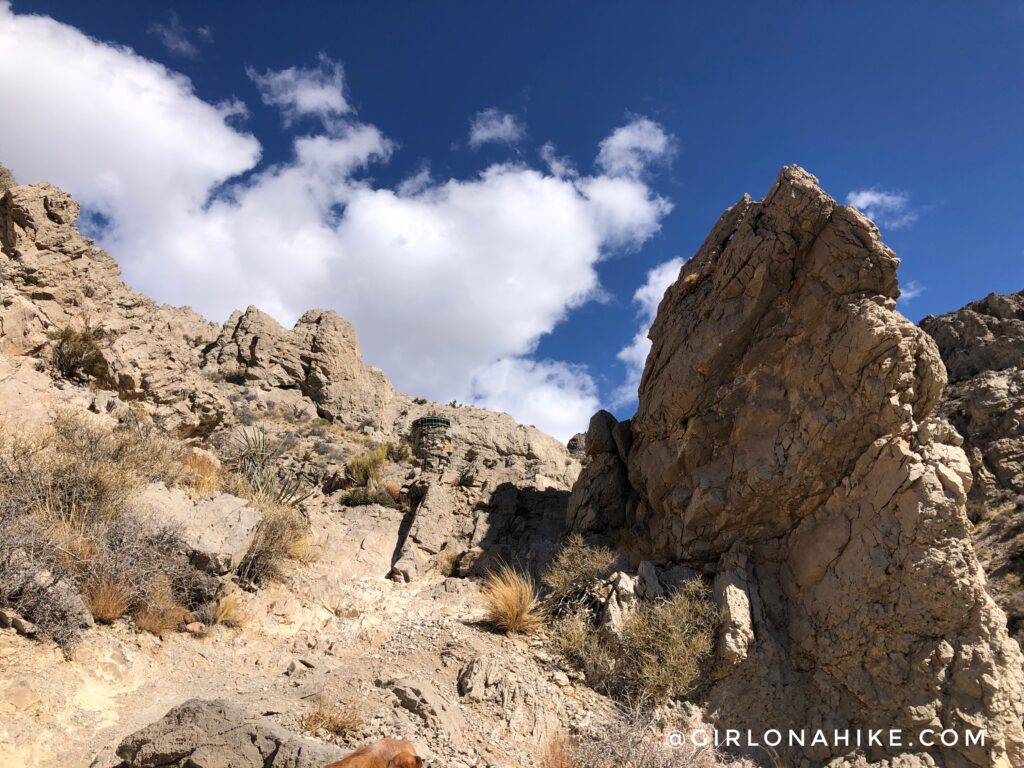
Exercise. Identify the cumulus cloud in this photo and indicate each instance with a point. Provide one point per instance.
(560, 396)
(631, 149)
(451, 282)
(634, 356)
(494, 126)
(179, 39)
(886, 209)
(298, 91)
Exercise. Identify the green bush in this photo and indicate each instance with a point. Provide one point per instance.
(363, 495)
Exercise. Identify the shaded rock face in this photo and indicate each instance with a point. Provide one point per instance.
(214, 734)
(784, 444)
(982, 346)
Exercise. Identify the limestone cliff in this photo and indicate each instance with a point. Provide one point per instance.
(982, 346)
(785, 445)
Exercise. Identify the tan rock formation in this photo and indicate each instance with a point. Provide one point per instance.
(982, 346)
(783, 443)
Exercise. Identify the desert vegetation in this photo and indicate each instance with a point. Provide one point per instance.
(511, 601)
(71, 543)
(662, 647)
(75, 353)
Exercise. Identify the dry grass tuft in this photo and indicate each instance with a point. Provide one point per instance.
(160, 613)
(558, 751)
(445, 561)
(511, 601)
(228, 611)
(282, 532)
(203, 475)
(339, 721)
(108, 597)
(366, 467)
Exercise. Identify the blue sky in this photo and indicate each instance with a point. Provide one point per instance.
(921, 101)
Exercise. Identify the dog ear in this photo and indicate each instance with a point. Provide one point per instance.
(419, 762)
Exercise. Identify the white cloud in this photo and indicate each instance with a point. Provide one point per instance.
(910, 291)
(299, 91)
(887, 209)
(648, 296)
(178, 39)
(557, 165)
(631, 149)
(450, 283)
(493, 125)
(558, 397)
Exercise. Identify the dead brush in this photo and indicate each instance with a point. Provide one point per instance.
(573, 572)
(631, 740)
(338, 721)
(511, 603)
(203, 475)
(280, 534)
(665, 643)
(159, 612)
(108, 596)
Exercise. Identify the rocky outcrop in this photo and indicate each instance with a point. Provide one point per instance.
(784, 444)
(982, 346)
(211, 734)
(320, 356)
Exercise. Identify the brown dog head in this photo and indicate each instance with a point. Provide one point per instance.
(405, 760)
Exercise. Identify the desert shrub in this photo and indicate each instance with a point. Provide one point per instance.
(75, 354)
(69, 531)
(329, 717)
(576, 637)
(362, 469)
(574, 570)
(256, 459)
(276, 540)
(374, 494)
(472, 454)
(399, 452)
(511, 602)
(159, 612)
(665, 643)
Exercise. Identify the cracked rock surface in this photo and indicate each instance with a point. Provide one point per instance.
(784, 444)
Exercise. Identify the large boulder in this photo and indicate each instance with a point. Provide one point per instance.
(216, 530)
(214, 734)
(783, 444)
